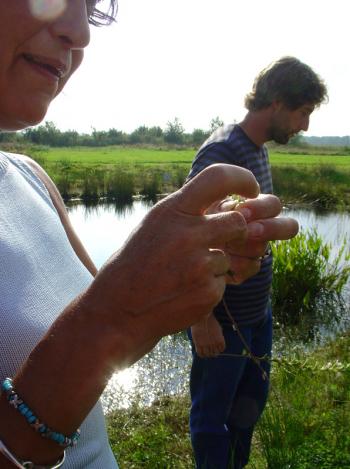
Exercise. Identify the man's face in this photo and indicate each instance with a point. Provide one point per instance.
(38, 54)
(286, 123)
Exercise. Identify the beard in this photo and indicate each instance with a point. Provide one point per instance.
(280, 135)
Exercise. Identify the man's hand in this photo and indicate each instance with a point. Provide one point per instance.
(207, 337)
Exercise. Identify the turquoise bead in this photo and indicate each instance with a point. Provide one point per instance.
(42, 429)
(32, 419)
(23, 409)
(7, 385)
(28, 414)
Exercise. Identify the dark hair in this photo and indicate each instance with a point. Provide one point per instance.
(103, 18)
(287, 80)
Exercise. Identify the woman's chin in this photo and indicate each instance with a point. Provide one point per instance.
(21, 120)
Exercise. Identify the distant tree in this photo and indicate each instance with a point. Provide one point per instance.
(8, 136)
(297, 141)
(69, 138)
(174, 132)
(215, 123)
(138, 135)
(156, 131)
(116, 137)
(99, 137)
(143, 134)
(199, 136)
(46, 134)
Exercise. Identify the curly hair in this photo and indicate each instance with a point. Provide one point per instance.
(98, 17)
(287, 80)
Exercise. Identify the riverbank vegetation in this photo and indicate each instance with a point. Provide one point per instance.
(305, 424)
(317, 177)
(309, 279)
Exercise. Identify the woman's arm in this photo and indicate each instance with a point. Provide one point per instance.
(165, 278)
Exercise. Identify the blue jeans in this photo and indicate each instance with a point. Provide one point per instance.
(228, 396)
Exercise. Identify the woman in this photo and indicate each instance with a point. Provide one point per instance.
(62, 333)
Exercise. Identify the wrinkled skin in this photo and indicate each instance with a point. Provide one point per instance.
(169, 274)
(207, 334)
(27, 90)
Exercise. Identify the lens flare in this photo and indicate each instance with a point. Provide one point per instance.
(47, 10)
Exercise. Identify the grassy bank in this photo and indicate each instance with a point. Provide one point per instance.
(91, 173)
(305, 425)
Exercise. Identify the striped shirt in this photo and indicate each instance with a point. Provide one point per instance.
(247, 302)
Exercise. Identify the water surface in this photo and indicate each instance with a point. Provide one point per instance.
(103, 229)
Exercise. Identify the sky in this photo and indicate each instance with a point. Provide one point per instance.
(197, 59)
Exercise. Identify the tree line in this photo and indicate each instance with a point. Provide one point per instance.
(49, 134)
(174, 134)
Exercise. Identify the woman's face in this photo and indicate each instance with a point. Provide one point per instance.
(37, 57)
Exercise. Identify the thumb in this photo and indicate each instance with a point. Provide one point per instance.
(215, 183)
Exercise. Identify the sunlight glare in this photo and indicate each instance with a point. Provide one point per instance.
(47, 10)
(125, 379)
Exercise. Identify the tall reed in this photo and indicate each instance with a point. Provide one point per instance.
(119, 186)
(308, 278)
(92, 186)
(151, 186)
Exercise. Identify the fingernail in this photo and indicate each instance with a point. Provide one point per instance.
(255, 229)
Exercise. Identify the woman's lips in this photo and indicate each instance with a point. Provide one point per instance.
(47, 66)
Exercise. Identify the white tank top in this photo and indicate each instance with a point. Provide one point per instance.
(39, 275)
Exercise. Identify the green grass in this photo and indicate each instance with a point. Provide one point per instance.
(154, 437)
(291, 159)
(323, 180)
(115, 155)
(305, 425)
(131, 155)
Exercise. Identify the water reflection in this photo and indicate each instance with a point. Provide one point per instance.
(333, 227)
(164, 371)
(104, 228)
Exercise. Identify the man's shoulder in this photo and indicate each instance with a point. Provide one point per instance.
(220, 135)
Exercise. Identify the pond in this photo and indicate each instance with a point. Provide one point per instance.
(103, 229)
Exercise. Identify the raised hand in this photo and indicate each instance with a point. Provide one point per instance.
(171, 271)
(263, 224)
(169, 274)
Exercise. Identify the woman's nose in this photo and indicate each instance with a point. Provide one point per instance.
(72, 26)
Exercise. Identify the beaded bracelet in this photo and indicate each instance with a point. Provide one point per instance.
(28, 464)
(32, 419)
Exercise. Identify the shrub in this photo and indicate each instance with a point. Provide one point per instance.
(307, 276)
(92, 187)
(151, 187)
(119, 186)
